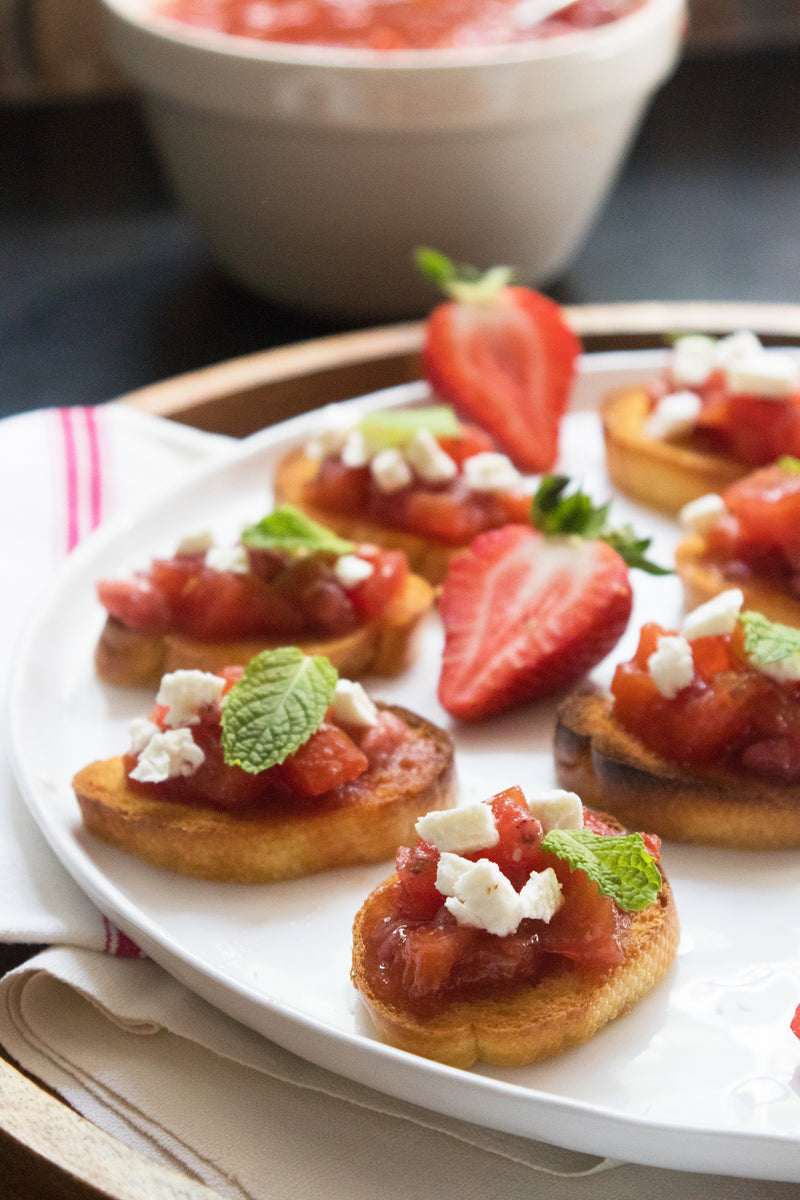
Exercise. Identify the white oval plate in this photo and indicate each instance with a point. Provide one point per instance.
(702, 1075)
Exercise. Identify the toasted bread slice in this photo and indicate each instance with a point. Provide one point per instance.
(612, 770)
(383, 646)
(538, 1021)
(664, 475)
(359, 822)
(702, 579)
(427, 557)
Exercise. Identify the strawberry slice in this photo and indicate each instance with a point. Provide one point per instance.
(503, 356)
(525, 615)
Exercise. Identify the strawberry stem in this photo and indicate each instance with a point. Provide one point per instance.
(460, 281)
(558, 514)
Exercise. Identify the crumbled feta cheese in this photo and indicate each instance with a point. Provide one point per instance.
(767, 375)
(557, 809)
(484, 897)
(673, 416)
(671, 665)
(702, 514)
(693, 359)
(327, 441)
(352, 705)
(350, 570)
(168, 755)
(184, 693)
(390, 470)
(228, 558)
(449, 870)
(354, 451)
(718, 615)
(490, 472)
(141, 731)
(196, 543)
(742, 344)
(541, 897)
(460, 830)
(429, 460)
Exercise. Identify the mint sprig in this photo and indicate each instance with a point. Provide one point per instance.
(618, 863)
(460, 281)
(558, 512)
(767, 641)
(287, 528)
(789, 464)
(275, 707)
(397, 427)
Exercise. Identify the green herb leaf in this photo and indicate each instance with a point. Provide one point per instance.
(789, 464)
(560, 513)
(461, 281)
(279, 702)
(766, 641)
(619, 864)
(287, 528)
(396, 427)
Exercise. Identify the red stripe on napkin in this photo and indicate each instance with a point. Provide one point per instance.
(83, 473)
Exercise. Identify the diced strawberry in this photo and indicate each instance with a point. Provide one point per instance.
(327, 759)
(508, 363)
(526, 615)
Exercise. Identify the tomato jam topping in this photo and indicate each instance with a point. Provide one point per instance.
(279, 594)
(450, 511)
(758, 535)
(731, 715)
(419, 958)
(391, 24)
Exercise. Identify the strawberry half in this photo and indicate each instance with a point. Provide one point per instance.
(525, 615)
(503, 356)
(527, 611)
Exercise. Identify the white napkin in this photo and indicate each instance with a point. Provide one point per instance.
(133, 1050)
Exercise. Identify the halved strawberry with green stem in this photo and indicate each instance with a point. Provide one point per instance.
(503, 356)
(527, 613)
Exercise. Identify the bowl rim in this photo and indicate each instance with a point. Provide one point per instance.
(598, 41)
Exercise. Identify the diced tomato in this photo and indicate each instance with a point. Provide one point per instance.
(339, 488)
(328, 759)
(766, 505)
(751, 429)
(518, 851)
(426, 956)
(444, 515)
(138, 603)
(795, 1022)
(416, 868)
(587, 926)
(224, 605)
(390, 571)
(471, 441)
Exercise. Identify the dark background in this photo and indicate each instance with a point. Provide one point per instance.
(105, 287)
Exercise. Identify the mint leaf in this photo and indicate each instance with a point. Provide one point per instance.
(556, 512)
(766, 641)
(396, 427)
(287, 528)
(789, 464)
(279, 702)
(618, 863)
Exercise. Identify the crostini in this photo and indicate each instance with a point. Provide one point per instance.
(747, 537)
(513, 930)
(288, 581)
(698, 739)
(416, 480)
(721, 408)
(267, 772)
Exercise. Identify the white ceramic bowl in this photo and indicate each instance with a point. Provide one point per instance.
(312, 172)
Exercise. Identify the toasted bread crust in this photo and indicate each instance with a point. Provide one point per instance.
(702, 579)
(564, 1010)
(663, 475)
(611, 770)
(384, 646)
(374, 815)
(427, 557)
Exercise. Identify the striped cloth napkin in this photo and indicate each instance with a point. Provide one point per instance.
(132, 1049)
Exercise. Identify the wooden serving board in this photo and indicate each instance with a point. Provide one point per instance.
(47, 1151)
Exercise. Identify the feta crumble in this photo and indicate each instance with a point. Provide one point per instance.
(718, 615)
(671, 665)
(490, 471)
(352, 705)
(184, 693)
(702, 514)
(460, 830)
(673, 416)
(168, 755)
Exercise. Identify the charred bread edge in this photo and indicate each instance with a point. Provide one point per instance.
(263, 847)
(562, 1011)
(612, 770)
(661, 474)
(384, 646)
